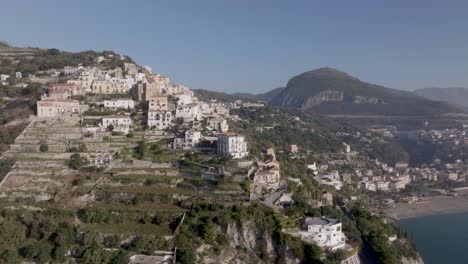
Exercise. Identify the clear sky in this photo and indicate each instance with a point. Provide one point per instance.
(257, 45)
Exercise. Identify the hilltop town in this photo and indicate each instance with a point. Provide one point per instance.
(136, 169)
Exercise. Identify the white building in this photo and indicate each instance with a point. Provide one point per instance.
(189, 141)
(232, 145)
(120, 123)
(57, 107)
(218, 123)
(184, 99)
(4, 78)
(68, 70)
(332, 179)
(120, 103)
(148, 69)
(324, 231)
(18, 75)
(188, 112)
(159, 120)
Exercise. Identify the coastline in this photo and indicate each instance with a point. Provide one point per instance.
(435, 205)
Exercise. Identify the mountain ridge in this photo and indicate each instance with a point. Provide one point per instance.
(331, 91)
(453, 95)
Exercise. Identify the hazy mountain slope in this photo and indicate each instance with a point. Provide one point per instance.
(331, 91)
(456, 95)
(265, 97)
(268, 96)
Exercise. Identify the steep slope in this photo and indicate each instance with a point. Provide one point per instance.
(268, 96)
(455, 95)
(331, 91)
(264, 97)
(32, 60)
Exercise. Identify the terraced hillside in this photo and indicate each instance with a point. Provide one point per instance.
(129, 198)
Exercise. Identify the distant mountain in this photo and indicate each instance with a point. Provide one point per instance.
(207, 95)
(457, 95)
(331, 91)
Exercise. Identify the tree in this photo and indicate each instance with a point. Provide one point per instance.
(110, 127)
(76, 162)
(9, 256)
(141, 150)
(11, 234)
(43, 147)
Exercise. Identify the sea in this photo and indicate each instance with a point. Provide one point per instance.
(440, 238)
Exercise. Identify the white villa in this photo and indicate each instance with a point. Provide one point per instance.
(232, 145)
(159, 120)
(119, 103)
(218, 123)
(189, 141)
(325, 232)
(188, 112)
(332, 179)
(120, 123)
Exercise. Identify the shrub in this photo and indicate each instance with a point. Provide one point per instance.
(44, 147)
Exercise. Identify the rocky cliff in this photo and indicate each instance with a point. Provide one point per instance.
(245, 244)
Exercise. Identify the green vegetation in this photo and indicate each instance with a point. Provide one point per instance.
(46, 59)
(43, 147)
(375, 234)
(5, 167)
(4, 44)
(46, 236)
(155, 151)
(76, 162)
(391, 153)
(279, 129)
(8, 135)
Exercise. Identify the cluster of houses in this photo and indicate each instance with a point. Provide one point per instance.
(388, 178)
(174, 110)
(167, 105)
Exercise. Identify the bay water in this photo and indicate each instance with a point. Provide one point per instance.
(440, 238)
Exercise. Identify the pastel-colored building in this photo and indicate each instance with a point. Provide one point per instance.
(64, 90)
(108, 87)
(268, 174)
(57, 107)
(157, 103)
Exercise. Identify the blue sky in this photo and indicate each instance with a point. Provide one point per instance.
(257, 45)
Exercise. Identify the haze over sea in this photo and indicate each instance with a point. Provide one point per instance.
(440, 238)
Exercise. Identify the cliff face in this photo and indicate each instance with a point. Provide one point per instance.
(412, 261)
(243, 246)
(327, 96)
